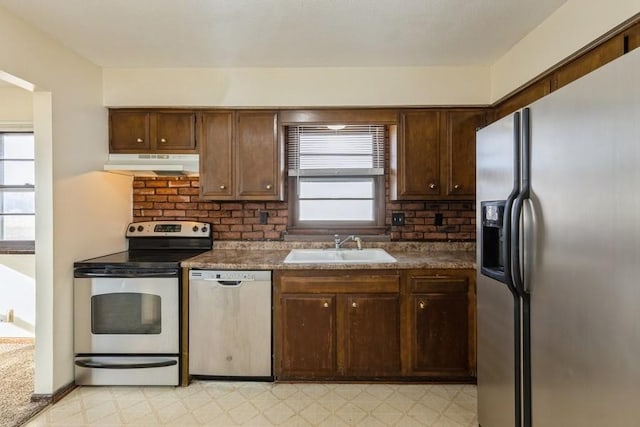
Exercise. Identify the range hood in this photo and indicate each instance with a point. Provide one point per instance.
(146, 164)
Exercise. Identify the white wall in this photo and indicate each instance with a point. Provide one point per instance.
(23, 263)
(573, 26)
(80, 212)
(17, 289)
(296, 87)
(16, 105)
(569, 29)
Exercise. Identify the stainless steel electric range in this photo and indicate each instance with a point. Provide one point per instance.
(127, 306)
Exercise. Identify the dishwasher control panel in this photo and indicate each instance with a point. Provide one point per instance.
(230, 275)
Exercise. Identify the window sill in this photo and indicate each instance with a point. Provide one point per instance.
(17, 247)
(324, 236)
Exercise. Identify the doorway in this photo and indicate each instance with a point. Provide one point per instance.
(17, 256)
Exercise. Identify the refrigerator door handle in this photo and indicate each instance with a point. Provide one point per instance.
(516, 269)
(507, 251)
(508, 207)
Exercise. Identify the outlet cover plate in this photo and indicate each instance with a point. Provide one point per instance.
(397, 218)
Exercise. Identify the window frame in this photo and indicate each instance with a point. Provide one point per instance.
(17, 246)
(374, 227)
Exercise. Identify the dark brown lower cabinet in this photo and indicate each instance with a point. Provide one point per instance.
(442, 325)
(337, 324)
(372, 335)
(391, 324)
(308, 334)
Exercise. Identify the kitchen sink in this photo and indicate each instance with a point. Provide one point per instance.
(338, 256)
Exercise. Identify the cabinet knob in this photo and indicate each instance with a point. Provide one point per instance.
(421, 305)
(268, 186)
(163, 140)
(433, 186)
(138, 139)
(354, 304)
(325, 305)
(456, 187)
(222, 187)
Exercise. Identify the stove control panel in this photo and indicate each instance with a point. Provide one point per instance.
(169, 229)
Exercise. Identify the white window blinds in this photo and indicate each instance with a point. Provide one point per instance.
(354, 150)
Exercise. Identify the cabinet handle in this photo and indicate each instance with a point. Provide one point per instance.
(456, 187)
(138, 139)
(268, 187)
(421, 305)
(354, 304)
(433, 186)
(325, 305)
(163, 140)
(222, 187)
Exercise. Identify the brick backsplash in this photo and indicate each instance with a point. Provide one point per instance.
(176, 198)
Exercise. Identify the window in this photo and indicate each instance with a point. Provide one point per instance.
(17, 200)
(336, 177)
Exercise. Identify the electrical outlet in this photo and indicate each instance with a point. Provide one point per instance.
(397, 218)
(263, 217)
(438, 220)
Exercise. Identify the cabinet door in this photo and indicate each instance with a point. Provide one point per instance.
(308, 347)
(595, 58)
(523, 98)
(216, 156)
(372, 334)
(632, 38)
(461, 151)
(440, 326)
(129, 132)
(418, 155)
(258, 156)
(175, 132)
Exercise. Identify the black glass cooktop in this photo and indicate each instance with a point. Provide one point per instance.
(141, 259)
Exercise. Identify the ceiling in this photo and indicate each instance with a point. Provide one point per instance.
(285, 33)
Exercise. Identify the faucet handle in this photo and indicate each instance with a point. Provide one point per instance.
(358, 241)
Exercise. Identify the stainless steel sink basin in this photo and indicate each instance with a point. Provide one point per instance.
(338, 256)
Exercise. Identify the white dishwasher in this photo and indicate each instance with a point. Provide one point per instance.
(230, 319)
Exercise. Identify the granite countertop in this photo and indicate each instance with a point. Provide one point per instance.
(227, 255)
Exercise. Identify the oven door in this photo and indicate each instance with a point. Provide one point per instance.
(126, 315)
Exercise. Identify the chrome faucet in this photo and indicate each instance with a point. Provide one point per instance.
(339, 243)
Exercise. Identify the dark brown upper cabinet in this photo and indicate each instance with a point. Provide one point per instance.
(433, 157)
(589, 61)
(241, 157)
(152, 131)
(523, 97)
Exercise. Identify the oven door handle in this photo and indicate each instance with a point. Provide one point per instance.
(100, 365)
(159, 272)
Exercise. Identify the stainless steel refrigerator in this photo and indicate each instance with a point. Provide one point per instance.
(558, 199)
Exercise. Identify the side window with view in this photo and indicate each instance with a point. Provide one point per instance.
(17, 178)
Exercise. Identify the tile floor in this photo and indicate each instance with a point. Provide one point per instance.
(265, 404)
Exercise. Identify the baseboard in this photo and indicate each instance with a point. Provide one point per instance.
(56, 396)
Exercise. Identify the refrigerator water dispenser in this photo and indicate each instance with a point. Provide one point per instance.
(492, 256)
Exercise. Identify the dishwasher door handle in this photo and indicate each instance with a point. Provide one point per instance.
(230, 283)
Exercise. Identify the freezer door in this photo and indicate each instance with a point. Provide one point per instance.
(496, 382)
(583, 257)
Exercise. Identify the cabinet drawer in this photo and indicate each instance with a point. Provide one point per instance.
(429, 284)
(341, 284)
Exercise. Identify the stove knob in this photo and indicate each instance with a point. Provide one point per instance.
(132, 229)
(195, 228)
(204, 229)
(140, 228)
